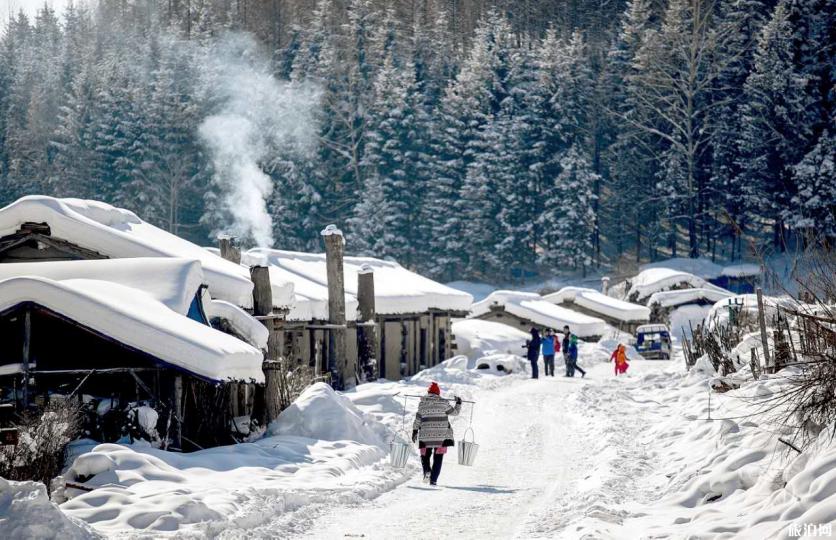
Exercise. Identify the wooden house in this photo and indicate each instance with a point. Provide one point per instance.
(412, 314)
(119, 334)
(524, 311)
(618, 313)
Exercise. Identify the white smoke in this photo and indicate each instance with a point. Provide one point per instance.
(257, 118)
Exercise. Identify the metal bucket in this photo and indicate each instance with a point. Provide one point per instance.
(398, 454)
(468, 449)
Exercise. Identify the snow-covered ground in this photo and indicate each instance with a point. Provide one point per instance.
(645, 455)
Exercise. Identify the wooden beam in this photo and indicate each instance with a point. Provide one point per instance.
(27, 342)
(343, 372)
(762, 323)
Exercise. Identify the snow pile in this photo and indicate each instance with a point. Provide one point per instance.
(688, 296)
(321, 450)
(320, 413)
(139, 320)
(532, 307)
(397, 290)
(711, 467)
(601, 304)
(654, 280)
(476, 338)
(684, 318)
(26, 512)
(120, 234)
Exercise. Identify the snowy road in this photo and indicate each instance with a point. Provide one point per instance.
(532, 441)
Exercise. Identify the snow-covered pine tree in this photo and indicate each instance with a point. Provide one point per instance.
(813, 209)
(387, 208)
(785, 108)
(741, 21)
(469, 104)
(631, 206)
(568, 217)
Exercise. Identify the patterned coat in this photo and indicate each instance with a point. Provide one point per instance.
(431, 423)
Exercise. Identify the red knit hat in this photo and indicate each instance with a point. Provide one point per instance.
(434, 388)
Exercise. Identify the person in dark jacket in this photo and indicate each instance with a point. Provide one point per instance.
(533, 352)
(550, 345)
(570, 353)
(432, 430)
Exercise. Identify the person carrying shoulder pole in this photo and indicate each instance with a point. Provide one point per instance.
(432, 430)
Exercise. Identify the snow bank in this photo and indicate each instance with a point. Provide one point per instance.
(601, 304)
(476, 338)
(320, 413)
(671, 472)
(321, 451)
(532, 307)
(139, 320)
(688, 296)
(397, 290)
(173, 282)
(683, 318)
(120, 234)
(27, 513)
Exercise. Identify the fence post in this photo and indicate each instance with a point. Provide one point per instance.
(342, 370)
(229, 248)
(753, 363)
(762, 323)
(365, 298)
(263, 307)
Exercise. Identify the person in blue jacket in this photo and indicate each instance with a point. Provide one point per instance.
(550, 345)
(533, 352)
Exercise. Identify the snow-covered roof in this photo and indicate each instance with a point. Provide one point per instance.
(688, 296)
(139, 320)
(397, 290)
(246, 326)
(118, 233)
(701, 267)
(173, 282)
(742, 270)
(532, 307)
(655, 280)
(282, 290)
(747, 303)
(600, 303)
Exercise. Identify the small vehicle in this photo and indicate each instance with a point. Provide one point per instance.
(653, 341)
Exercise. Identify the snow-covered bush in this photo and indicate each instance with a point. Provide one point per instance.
(42, 440)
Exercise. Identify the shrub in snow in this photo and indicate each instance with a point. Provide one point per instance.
(42, 440)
